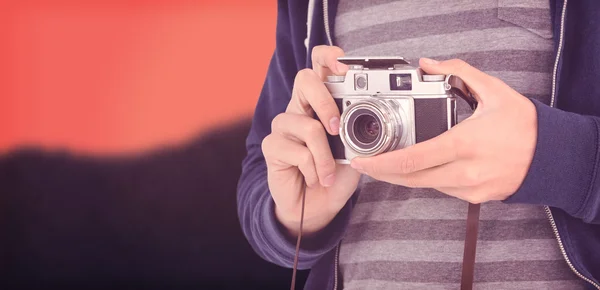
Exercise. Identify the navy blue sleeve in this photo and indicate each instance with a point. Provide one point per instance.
(564, 170)
(255, 205)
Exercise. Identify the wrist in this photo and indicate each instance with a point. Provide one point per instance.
(311, 224)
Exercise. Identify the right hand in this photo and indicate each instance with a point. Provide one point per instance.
(297, 151)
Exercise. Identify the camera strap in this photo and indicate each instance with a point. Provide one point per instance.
(295, 269)
(468, 266)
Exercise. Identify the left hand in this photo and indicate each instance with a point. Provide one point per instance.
(485, 157)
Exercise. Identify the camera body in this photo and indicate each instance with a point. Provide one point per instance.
(386, 104)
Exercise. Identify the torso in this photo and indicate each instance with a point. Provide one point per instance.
(401, 238)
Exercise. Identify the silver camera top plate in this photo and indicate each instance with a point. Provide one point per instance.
(377, 62)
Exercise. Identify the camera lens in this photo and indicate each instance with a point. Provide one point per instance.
(366, 129)
(370, 127)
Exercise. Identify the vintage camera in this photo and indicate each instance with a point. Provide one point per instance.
(387, 104)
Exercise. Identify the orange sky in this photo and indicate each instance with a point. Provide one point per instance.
(119, 76)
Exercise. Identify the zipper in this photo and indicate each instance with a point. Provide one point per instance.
(326, 21)
(335, 267)
(337, 248)
(548, 212)
(558, 53)
(562, 249)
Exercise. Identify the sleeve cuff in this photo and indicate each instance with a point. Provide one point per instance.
(320, 243)
(563, 167)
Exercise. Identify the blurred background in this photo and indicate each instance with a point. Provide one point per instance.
(122, 128)
(107, 76)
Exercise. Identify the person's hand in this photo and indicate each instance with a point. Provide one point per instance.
(297, 151)
(485, 157)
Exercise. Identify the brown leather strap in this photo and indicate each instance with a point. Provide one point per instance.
(468, 267)
(296, 256)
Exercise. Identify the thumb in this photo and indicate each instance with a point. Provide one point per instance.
(477, 81)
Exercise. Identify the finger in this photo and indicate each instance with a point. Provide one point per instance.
(310, 94)
(311, 132)
(324, 61)
(458, 174)
(279, 150)
(433, 152)
(478, 81)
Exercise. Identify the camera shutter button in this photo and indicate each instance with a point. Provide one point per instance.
(434, 78)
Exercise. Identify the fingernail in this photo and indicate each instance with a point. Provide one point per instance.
(430, 61)
(356, 166)
(329, 180)
(334, 125)
(341, 68)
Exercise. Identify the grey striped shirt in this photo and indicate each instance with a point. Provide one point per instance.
(401, 238)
